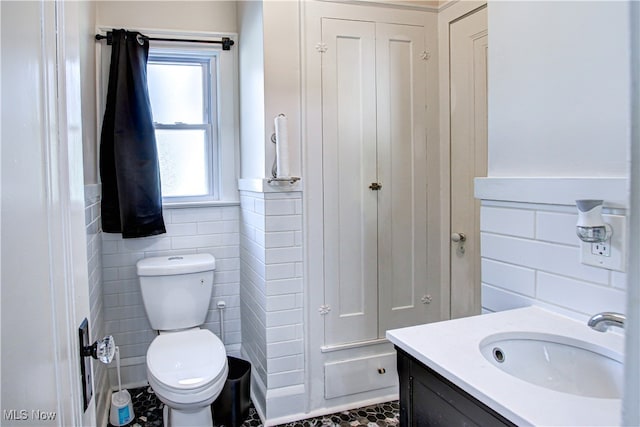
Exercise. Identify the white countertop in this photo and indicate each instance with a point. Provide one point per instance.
(452, 349)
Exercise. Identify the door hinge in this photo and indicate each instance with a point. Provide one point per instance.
(321, 47)
(324, 309)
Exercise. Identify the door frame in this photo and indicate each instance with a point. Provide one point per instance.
(58, 274)
(446, 17)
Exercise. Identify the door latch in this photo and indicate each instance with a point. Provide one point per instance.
(459, 238)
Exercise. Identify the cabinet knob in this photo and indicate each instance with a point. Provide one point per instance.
(375, 186)
(381, 371)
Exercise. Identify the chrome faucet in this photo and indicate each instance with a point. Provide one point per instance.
(603, 321)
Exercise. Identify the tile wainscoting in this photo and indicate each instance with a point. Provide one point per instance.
(531, 254)
(96, 298)
(271, 291)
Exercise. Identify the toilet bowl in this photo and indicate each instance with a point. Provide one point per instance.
(186, 366)
(187, 370)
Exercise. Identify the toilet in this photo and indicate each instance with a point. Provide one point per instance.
(186, 365)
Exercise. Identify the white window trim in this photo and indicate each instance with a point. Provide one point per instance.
(210, 59)
(227, 167)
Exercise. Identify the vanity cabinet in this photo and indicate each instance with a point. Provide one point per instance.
(429, 399)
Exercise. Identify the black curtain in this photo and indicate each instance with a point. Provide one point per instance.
(131, 196)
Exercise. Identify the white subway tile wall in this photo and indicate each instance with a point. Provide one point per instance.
(271, 286)
(213, 230)
(531, 255)
(96, 298)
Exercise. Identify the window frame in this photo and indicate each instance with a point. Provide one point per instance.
(209, 60)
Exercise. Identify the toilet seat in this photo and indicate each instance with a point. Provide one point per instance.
(187, 367)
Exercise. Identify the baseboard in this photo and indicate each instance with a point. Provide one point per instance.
(258, 408)
(329, 410)
(129, 386)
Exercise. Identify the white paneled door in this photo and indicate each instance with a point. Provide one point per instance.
(402, 171)
(468, 115)
(349, 167)
(374, 178)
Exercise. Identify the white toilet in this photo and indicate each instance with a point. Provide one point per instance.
(186, 365)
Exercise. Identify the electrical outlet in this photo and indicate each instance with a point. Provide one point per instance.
(609, 254)
(602, 249)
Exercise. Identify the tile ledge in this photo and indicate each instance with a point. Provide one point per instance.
(554, 190)
(261, 185)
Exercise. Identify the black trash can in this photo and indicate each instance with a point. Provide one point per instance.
(231, 408)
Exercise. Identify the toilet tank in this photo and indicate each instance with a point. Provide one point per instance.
(176, 290)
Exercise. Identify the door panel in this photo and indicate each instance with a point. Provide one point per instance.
(468, 92)
(402, 220)
(349, 167)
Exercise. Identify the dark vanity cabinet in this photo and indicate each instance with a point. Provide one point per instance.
(429, 399)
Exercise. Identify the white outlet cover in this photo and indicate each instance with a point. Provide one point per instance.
(618, 249)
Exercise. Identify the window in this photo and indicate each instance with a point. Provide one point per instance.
(183, 101)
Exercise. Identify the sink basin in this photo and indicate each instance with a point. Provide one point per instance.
(557, 362)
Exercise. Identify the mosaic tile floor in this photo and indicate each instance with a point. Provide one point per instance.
(148, 412)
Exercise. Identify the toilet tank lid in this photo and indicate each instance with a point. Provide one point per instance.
(175, 264)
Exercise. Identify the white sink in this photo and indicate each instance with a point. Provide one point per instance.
(557, 362)
(563, 374)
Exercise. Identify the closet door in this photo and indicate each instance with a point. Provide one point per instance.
(468, 74)
(349, 168)
(402, 172)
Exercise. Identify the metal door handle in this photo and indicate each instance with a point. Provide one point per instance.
(458, 237)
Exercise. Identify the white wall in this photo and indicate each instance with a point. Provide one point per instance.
(559, 76)
(269, 82)
(90, 133)
(213, 16)
(282, 77)
(251, 70)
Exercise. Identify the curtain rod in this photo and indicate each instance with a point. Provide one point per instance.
(226, 42)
